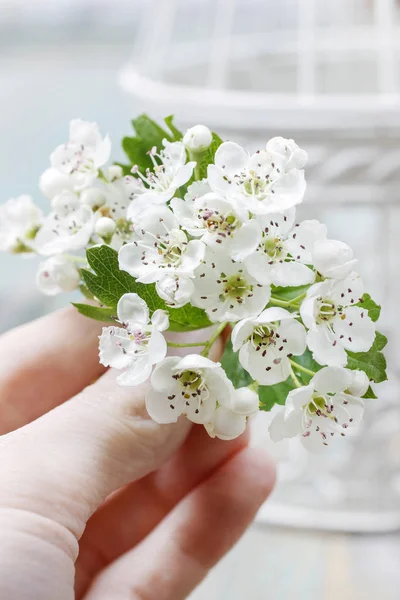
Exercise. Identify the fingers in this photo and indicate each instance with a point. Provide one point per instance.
(176, 556)
(44, 363)
(64, 464)
(125, 519)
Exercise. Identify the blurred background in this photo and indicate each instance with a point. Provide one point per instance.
(325, 73)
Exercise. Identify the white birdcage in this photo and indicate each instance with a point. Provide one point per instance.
(327, 74)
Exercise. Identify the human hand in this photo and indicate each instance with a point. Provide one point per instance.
(149, 508)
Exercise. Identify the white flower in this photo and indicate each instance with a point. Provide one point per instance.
(294, 157)
(93, 197)
(230, 421)
(267, 342)
(175, 290)
(53, 182)
(335, 324)
(333, 259)
(218, 221)
(82, 156)
(57, 274)
(329, 405)
(105, 227)
(68, 227)
(197, 138)
(170, 171)
(285, 249)
(260, 181)
(190, 386)
(20, 219)
(226, 290)
(160, 248)
(137, 346)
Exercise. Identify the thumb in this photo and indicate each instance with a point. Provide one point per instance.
(65, 464)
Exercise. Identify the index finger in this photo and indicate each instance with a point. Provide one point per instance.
(44, 363)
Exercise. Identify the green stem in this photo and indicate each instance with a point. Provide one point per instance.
(212, 339)
(301, 368)
(185, 345)
(294, 379)
(295, 303)
(254, 386)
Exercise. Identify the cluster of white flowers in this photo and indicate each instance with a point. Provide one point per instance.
(221, 243)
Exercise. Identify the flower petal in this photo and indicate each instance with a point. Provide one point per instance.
(290, 274)
(227, 425)
(359, 383)
(161, 378)
(160, 320)
(138, 373)
(302, 239)
(132, 309)
(163, 409)
(331, 379)
(231, 157)
(356, 330)
(245, 401)
(324, 349)
(246, 240)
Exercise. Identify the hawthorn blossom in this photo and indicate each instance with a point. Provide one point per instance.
(68, 227)
(229, 421)
(293, 156)
(284, 249)
(138, 344)
(53, 182)
(216, 220)
(160, 248)
(197, 138)
(170, 171)
(83, 155)
(329, 405)
(267, 342)
(20, 220)
(226, 290)
(334, 321)
(57, 274)
(176, 291)
(333, 259)
(264, 182)
(192, 386)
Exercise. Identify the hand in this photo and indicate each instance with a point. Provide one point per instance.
(149, 508)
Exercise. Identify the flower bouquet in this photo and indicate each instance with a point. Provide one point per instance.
(194, 232)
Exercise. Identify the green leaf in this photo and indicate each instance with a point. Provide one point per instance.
(108, 283)
(274, 394)
(370, 393)
(288, 293)
(373, 362)
(209, 156)
(232, 367)
(151, 133)
(137, 151)
(169, 121)
(374, 310)
(187, 318)
(96, 312)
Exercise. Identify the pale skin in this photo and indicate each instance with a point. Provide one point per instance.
(97, 502)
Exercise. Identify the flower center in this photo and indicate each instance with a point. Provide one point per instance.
(218, 223)
(235, 287)
(327, 310)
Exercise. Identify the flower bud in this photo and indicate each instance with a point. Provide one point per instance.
(52, 183)
(197, 138)
(114, 172)
(93, 197)
(105, 227)
(226, 424)
(245, 401)
(57, 274)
